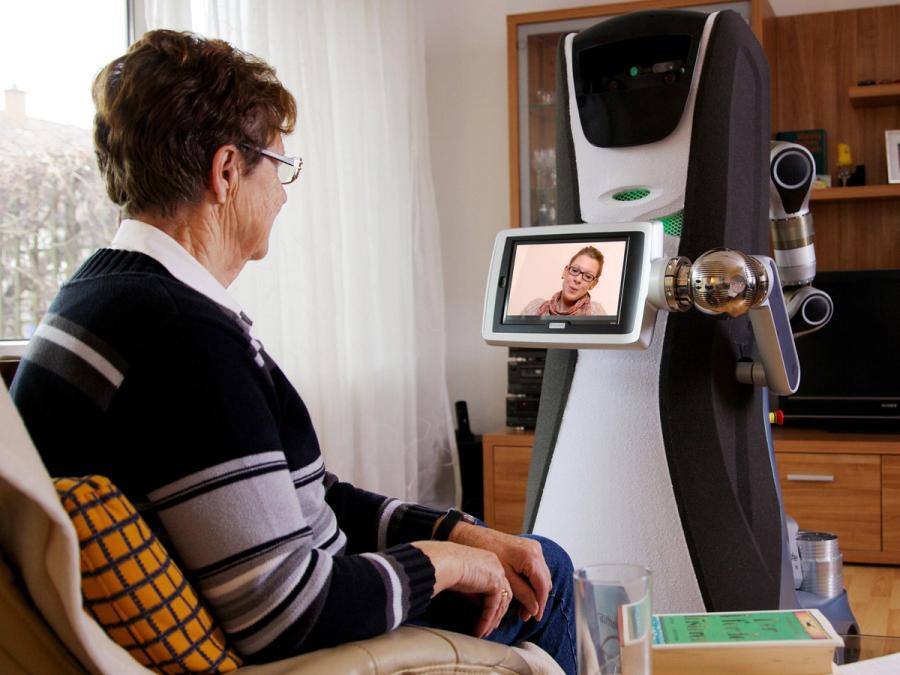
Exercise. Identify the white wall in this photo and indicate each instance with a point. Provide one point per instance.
(467, 101)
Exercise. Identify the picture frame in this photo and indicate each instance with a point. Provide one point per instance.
(892, 151)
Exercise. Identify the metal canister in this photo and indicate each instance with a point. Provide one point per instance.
(821, 562)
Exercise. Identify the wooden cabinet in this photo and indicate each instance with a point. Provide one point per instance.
(507, 457)
(834, 493)
(847, 484)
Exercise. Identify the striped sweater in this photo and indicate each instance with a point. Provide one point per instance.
(134, 375)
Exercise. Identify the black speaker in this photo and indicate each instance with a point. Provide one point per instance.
(470, 463)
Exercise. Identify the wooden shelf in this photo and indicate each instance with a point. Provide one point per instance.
(873, 95)
(860, 192)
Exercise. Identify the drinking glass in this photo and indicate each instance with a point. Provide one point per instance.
(612, 619)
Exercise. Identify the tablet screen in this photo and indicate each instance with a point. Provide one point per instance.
(580, 281)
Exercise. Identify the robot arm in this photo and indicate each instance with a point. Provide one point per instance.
(725, 281)
(791, 175)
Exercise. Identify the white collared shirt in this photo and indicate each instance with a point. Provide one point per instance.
(134, 235)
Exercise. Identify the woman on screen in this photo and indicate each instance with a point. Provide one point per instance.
(574, 298)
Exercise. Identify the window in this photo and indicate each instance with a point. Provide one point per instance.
(53, 206)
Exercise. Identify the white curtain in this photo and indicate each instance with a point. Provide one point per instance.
(349, 300)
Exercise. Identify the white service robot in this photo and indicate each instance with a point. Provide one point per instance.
(653, 443)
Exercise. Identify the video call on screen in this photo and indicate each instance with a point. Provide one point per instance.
(540, 270)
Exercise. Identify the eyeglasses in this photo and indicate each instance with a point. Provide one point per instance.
(288, 167)
(575, 270)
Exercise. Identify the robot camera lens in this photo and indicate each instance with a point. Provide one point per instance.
(670, 77)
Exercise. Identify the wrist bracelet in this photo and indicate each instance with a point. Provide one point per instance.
(448, 522)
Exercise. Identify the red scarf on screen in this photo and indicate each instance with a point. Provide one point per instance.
(580, 308)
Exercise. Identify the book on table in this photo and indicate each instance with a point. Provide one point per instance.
(778, 642)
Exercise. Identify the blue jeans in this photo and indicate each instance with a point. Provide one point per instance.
(554, 633)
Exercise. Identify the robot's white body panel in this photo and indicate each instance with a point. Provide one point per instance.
(608, 495)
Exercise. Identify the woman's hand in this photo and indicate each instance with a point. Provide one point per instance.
(522, 560)
(471, 571)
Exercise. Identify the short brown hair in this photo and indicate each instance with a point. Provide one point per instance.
(590, 252)
(167, 105)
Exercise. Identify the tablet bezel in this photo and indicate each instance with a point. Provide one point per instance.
(627, 328)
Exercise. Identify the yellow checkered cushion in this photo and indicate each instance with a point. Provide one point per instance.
(133, 588)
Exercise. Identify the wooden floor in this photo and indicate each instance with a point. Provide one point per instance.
(874, 594)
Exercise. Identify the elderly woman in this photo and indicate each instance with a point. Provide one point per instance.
(145, 369)
(574, 299)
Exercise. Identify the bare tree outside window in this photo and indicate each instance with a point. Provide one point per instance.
(54, 211)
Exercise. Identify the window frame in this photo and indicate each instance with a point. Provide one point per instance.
(12, 349)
